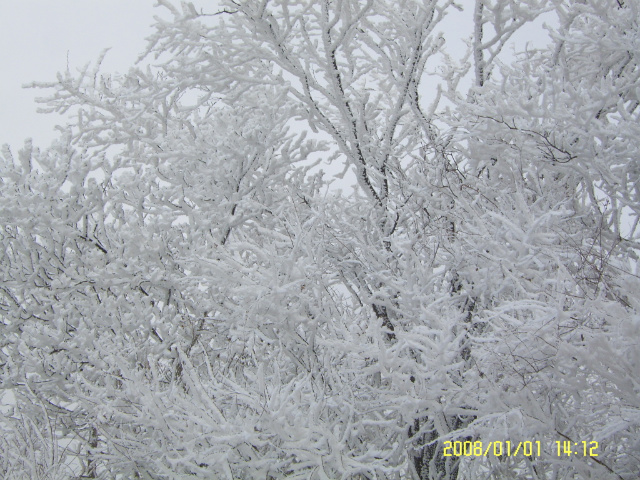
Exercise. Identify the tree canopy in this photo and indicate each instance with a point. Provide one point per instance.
(305, 240)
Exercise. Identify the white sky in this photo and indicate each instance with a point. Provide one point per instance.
(37, 35)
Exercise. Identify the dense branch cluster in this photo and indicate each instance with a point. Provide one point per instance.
(261, 254)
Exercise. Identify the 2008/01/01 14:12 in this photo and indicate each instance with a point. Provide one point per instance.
(469, 448)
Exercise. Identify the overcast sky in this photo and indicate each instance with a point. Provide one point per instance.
(38, 36)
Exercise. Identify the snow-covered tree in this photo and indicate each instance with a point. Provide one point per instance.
(551, 144)
(185, 291)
